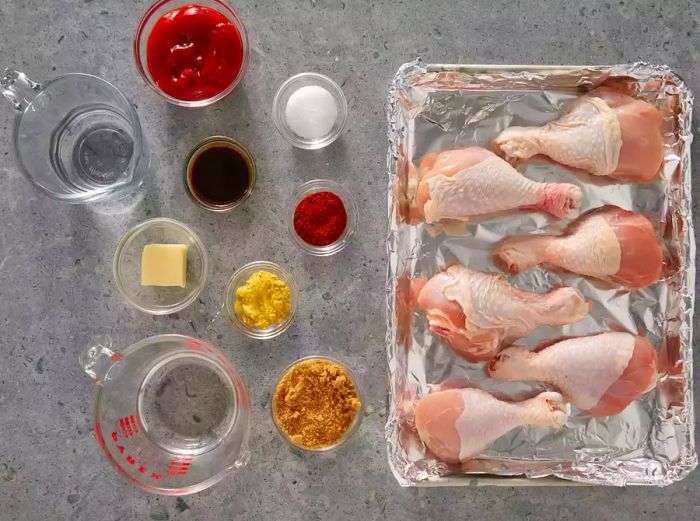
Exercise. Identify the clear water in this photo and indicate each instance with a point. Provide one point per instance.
(92, 148)
(187, 404)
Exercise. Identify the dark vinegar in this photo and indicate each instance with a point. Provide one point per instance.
(220, 175)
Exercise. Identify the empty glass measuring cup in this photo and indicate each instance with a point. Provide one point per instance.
(76, 137)
(171, 413)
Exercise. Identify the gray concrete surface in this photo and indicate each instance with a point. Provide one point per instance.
(56, 286)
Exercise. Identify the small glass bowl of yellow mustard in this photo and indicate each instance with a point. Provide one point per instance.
(257, 303)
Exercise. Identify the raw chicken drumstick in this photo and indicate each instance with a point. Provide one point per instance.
(599, 374)
(477, 313)
(607, 243)
(474, 184)
(459, 424)
(605, 133)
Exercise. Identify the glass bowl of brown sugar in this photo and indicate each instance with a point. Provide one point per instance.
(317, 404)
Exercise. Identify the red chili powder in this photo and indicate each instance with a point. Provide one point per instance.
(320, 218)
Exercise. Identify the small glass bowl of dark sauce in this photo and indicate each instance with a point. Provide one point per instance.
(220, 174)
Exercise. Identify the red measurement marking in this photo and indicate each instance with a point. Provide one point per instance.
(129, 426)
(178, 471)
(193, 345)
(179, 466)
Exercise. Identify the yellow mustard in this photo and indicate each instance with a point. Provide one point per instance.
(263, 301)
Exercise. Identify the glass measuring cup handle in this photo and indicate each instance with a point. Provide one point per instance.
(19, 89)
(98, 358)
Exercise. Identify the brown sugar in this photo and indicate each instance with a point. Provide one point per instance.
(315, 403)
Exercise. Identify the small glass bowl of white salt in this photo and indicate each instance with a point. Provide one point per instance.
(310, 110)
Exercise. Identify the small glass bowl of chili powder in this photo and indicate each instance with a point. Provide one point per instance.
(322, 217)
(192, 54)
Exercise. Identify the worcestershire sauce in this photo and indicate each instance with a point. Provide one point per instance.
(219, 174)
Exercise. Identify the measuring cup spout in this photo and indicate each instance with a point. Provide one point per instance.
(19, 89)
(98, 358)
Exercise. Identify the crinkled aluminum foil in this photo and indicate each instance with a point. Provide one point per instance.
(434, 107)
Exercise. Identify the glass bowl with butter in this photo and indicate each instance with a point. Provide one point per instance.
(262, 300)
(160, 266)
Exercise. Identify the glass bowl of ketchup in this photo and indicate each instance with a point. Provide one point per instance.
(192, 54)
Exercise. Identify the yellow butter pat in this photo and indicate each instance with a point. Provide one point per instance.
(164, 265)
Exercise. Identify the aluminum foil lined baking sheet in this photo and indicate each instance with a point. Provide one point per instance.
(436, 107)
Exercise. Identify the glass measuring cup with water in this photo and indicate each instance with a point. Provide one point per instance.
(171, 413)
(76, 137)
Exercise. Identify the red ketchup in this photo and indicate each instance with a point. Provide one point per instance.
(194, 53)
